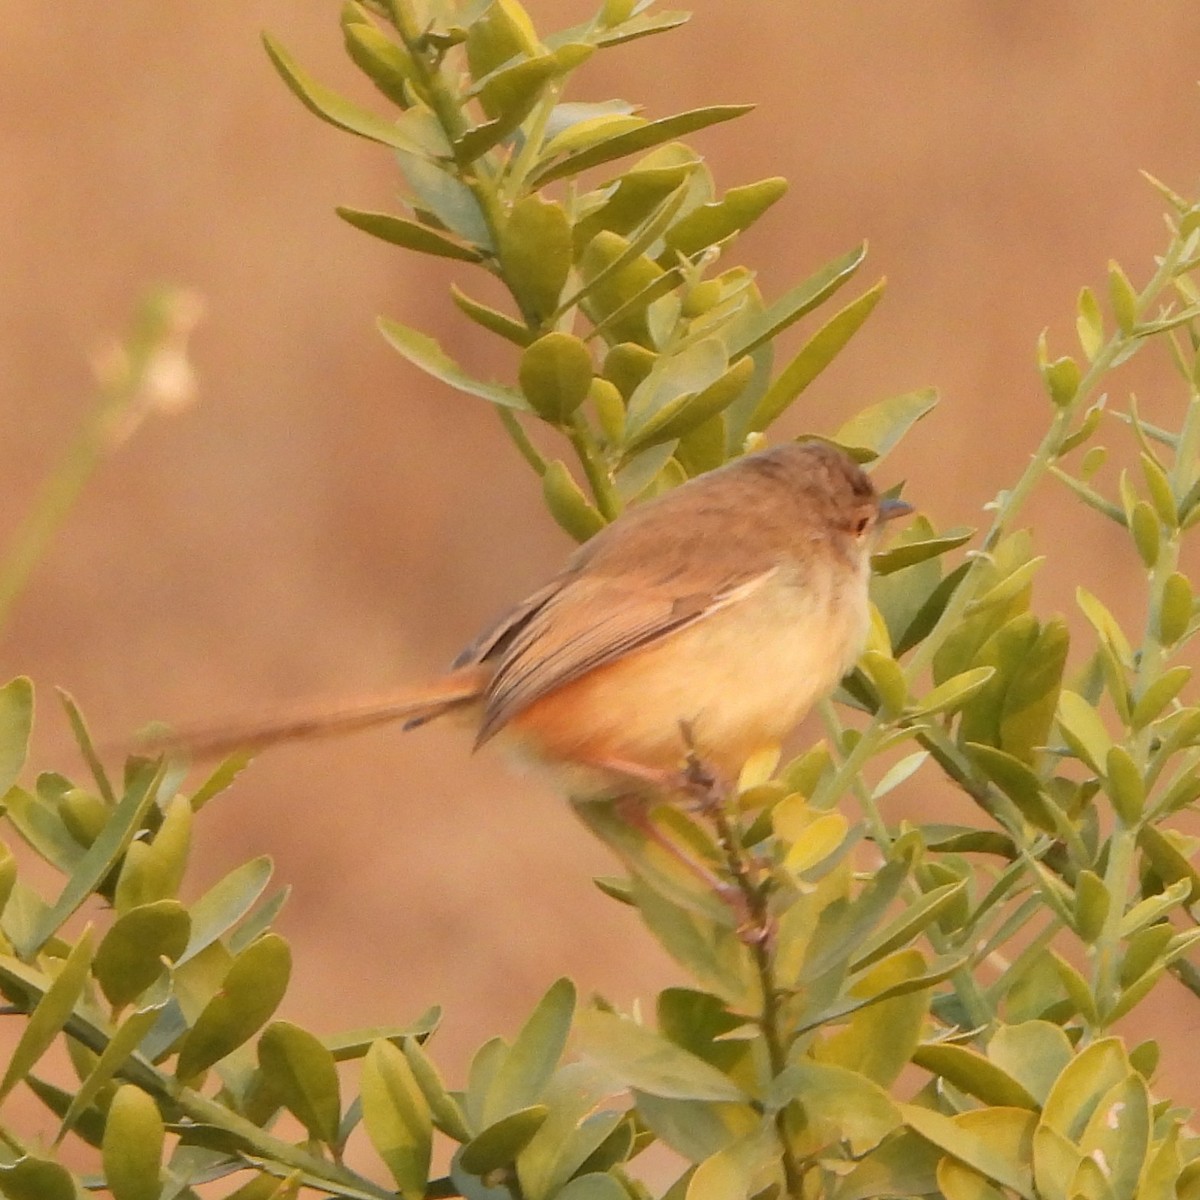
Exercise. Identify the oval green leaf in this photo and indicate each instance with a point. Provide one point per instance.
(129, 958)
(397, 1118)
(251, 991)
(556, 374)
(303, 1074)
(412, 235)
(133, 1145)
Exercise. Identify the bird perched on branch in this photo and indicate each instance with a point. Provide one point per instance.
(702, 624)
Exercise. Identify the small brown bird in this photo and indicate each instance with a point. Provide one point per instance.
(704, 622)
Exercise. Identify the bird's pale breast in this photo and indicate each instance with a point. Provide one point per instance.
(741, 678)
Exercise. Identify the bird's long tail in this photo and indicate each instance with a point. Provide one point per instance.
(413, 705)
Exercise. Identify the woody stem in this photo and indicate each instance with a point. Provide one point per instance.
(754, 897)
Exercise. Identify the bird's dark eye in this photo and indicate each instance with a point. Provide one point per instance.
(860, 526)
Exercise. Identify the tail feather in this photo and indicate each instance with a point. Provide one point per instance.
(414, 706)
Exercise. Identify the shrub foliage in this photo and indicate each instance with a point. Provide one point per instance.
(890, 1008)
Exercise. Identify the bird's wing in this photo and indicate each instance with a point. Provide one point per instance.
(593, 619)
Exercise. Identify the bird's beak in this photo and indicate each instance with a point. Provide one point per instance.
(891, 507)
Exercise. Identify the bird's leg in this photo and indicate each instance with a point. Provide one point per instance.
(633, 807)
(712, 795)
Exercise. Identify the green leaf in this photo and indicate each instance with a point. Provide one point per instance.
(412, 235)
(1092, 903)
(446, 199)
(1031, 691)
(839, 1105)
(1014, 584)
(30, 1178)
(508, 95)
(1083, 730)
(250, 992)
(712, 223)
(588, 130)
(620, 280)
(735, 1172)
(1175, 611)
(1007, 1135)
(1154, 908)
(1106, 626)
(1169, 862)
(1031, 1052)
(682, 374)
(1073, 983)
(1147, 532)
(815, 842)
(695, 1129)
(762, 327)
(84, 740)
(386, 64)
(397, 1118)
(40, 822)
(972, 1073)
(1062, 378)
(8, 874)
(1089, 324)
(652, 133)
(905, 1165)
(901, 931)
(424, 352)
(1161, 495)
(556, 375)
(641, 192)
(222, 776)
(501, 31)
(1125, 785)
(1161, 1180)
(573, 511)
(879, 1041)
(1118, 1135)
(133, 1145)
(154, 870)
(129, 958)
(499, 1143)
(678, 417)
(331, 107)
(1077, 1092)
(694, 939)
(16, 724)
(593, 1186)
(910, 553)
(534, 1054)
(996, 1142)
(50, 1014)
(127, 818)
(814, 356)
(115, 1057)
(1122, 297)
(643, 25)
(953, 694)
(356, 1042)
(445, 1111)
(491, 319)
(226, 903)
(1056, 1163)
(648, 1062)
(888, 679)
(878, 428)
(303, 1074)
(535, 255)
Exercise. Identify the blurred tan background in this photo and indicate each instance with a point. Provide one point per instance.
(326, 520)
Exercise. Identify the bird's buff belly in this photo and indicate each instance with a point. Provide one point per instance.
(739, 679)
